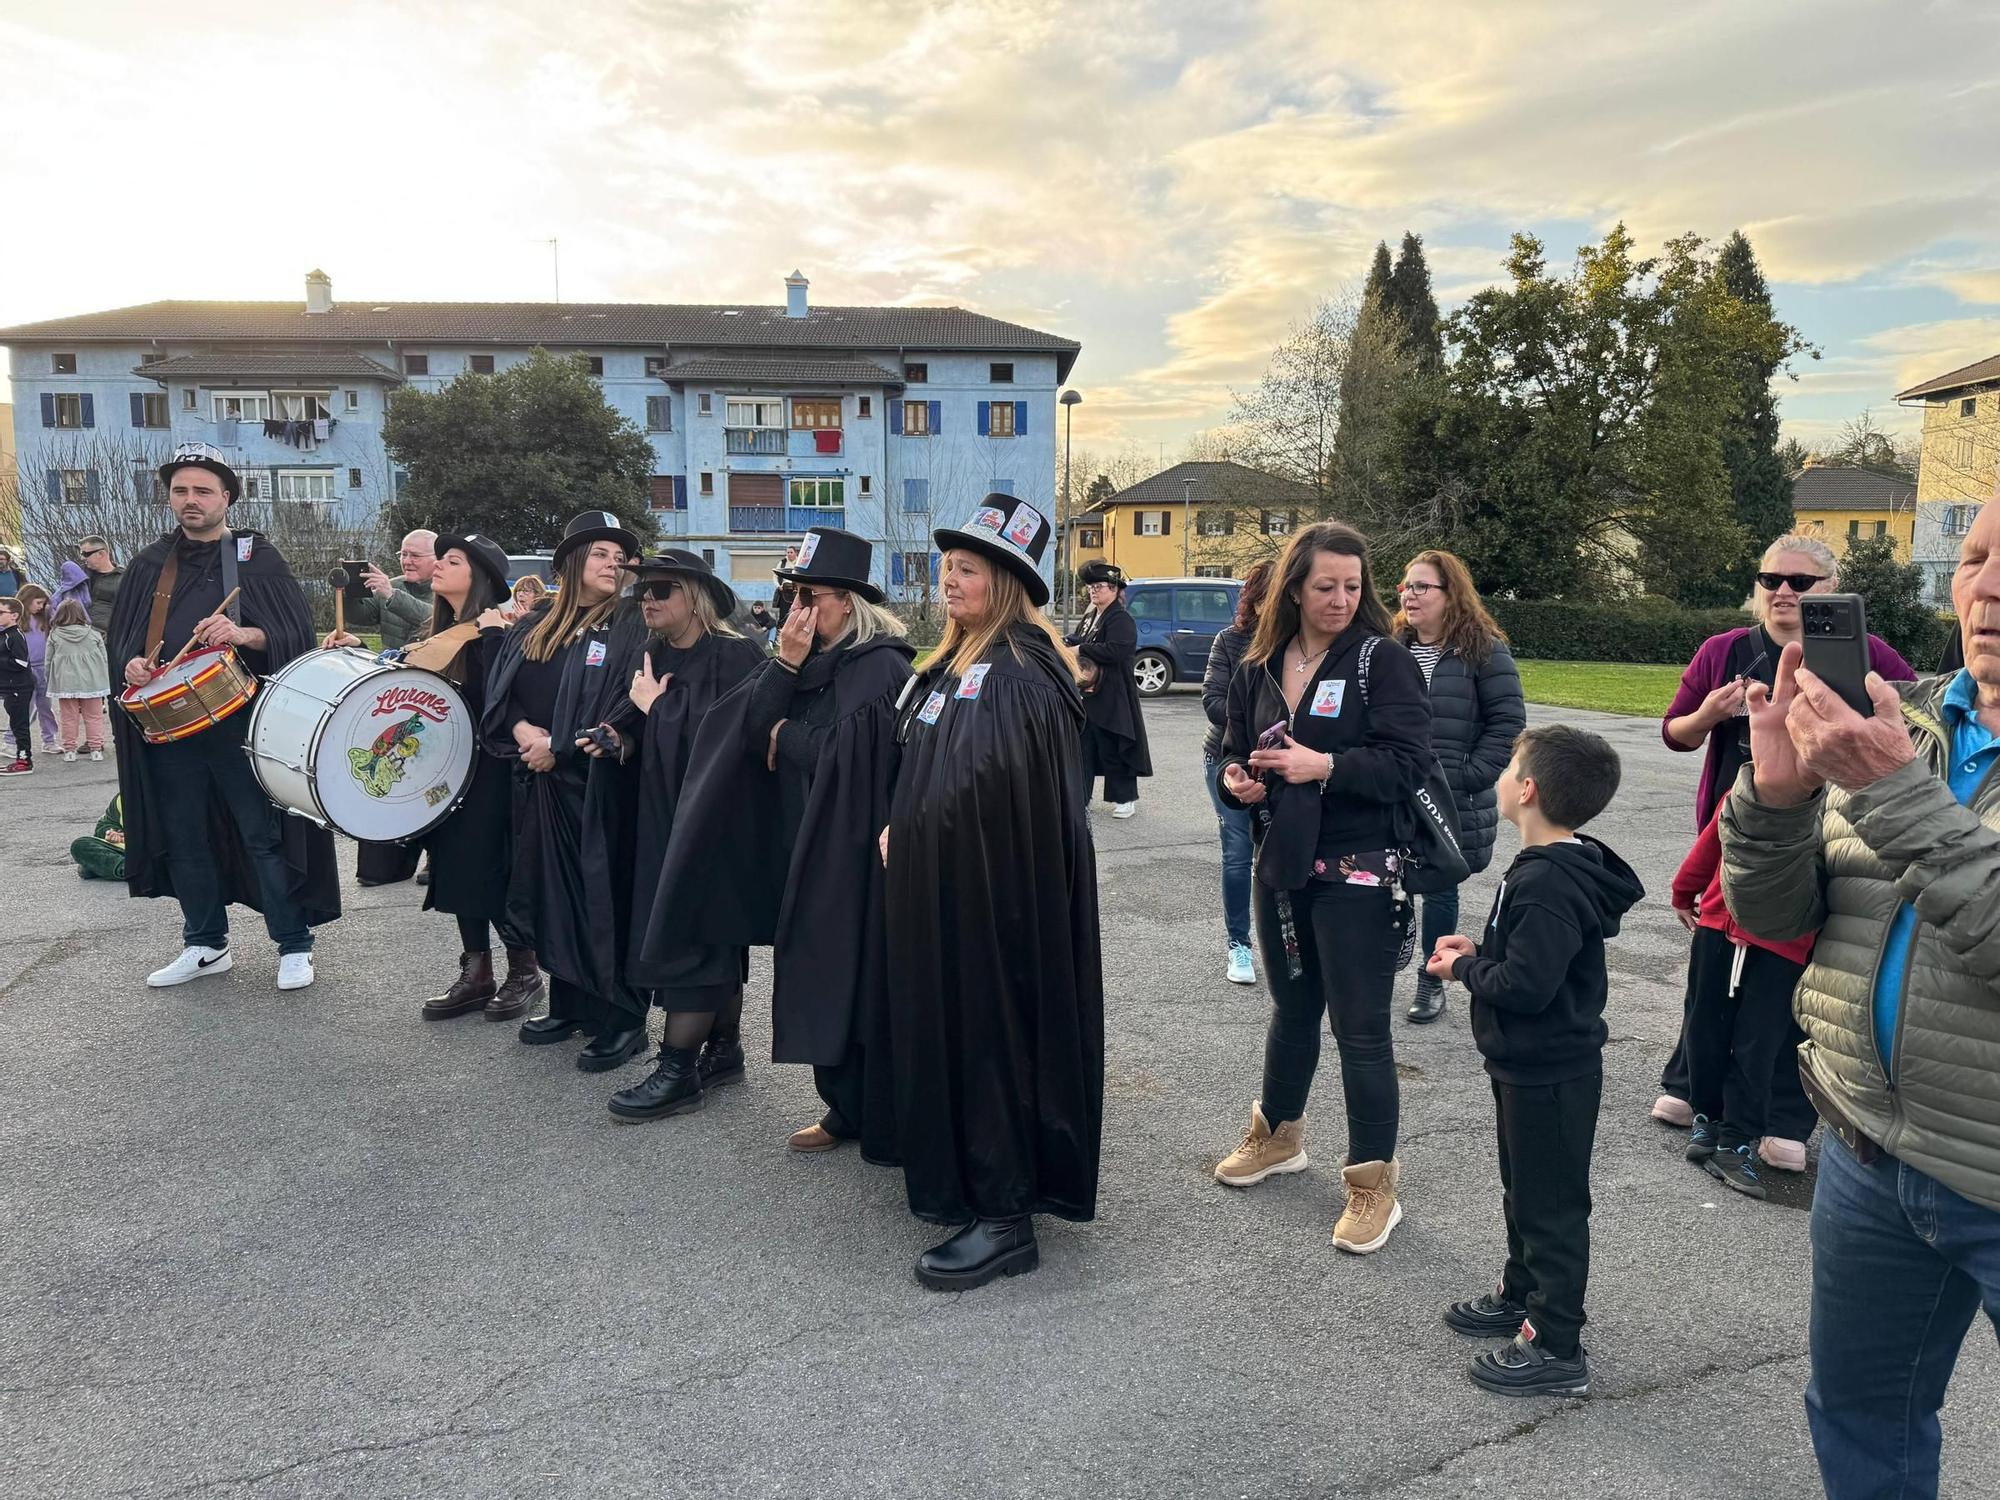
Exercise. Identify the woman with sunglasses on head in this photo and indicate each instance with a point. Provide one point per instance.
(800, 759)
(560, 673)
(1476, 714)
(1711, 709)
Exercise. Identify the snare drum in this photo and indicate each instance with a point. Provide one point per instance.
(369, 749)
(197, 692)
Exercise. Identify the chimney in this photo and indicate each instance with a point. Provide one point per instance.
(319, 292)
(795, 295)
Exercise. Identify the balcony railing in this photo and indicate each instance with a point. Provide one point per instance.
(740, 440)
(784, 520)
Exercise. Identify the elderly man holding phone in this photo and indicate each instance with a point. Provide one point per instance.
(1881, 830)
(399, 607)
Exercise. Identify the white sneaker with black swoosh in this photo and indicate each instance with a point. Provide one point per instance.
(194, 963)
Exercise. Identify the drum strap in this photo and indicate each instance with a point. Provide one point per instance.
(437, 652)
(163, 596)
(235, 610)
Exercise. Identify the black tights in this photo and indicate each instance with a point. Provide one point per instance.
(688, 1029)
(474, 938)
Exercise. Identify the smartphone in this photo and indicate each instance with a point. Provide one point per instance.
(1836, 645)
(355, 589)
(1273, 737)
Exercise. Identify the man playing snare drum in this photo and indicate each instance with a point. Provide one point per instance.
(198, 827)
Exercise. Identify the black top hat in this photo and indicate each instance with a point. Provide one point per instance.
(1099, 571)
(1009, 532)
(595, 526)
(834, 559)
(483, 553)
(678, 563)
(201, 456)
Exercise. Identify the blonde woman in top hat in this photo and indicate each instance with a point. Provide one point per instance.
(996, 1011)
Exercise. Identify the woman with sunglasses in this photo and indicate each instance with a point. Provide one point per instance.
(1476, 713)
(1711, 709)
(800, 759)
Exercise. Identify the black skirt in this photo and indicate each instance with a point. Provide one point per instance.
(473, 849)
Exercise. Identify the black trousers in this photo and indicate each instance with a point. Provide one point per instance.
(1105, 755)
(1546, 1132)
(1791, 1113)
(19, 701)
(475, 935)
(1735, 1034)
(840, 1089)
(1347, 949)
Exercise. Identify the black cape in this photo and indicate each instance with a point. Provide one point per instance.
(824, 917)
(1108, 642)
(996, 992)
(473, 849)
(706, 671)
(272, 602)
(551, 894)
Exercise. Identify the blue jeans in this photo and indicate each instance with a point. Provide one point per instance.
(1438, 918)
(1234, 824)
(1900, 1265)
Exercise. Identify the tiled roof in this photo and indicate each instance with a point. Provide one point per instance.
(1220, 482)
(1850, 487)
(249, 364)
(1985, 372)
(727, 371)
(559, 324)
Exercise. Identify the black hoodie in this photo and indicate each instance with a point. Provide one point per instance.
(1538, 979)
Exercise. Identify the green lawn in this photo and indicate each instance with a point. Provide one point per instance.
(1609, 687)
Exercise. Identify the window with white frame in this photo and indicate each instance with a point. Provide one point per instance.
(300, 406)
(256, 485)
(1961, 452)
(864, 406)
(305, 484)
(240, 406)
(745, 412)
(867, 484)
(1000, 419)
(705, 404)
(69, 411)
(818, 494)
(1152, 523)
(1213, 522)
(354, 401)
(1210, 570)
(916, 419)
(1277, 523)
(188, 399)
(1969, 406)
(1959, 518)
(814, 412)
(75, 486)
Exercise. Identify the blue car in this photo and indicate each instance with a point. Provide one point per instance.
(1178, 620)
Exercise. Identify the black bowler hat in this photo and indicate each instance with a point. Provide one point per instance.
(834, 559)
(1099, 571)
(1009, 532)
(482, 552)
(595, 526)
(677, 563)
(201, 456)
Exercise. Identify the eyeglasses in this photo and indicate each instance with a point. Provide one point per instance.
(658, 588)
(87, 556)
(1801, 582)
(807, 595)
(1421, 589)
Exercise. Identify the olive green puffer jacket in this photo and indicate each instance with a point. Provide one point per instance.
(1842, 863)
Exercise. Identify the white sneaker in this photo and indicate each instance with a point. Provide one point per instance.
(69, 757)
(1242, 966)
(194, 963)
(97, 755)
(295, 970)
(1124, 809)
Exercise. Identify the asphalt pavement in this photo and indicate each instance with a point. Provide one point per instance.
(308, 1245)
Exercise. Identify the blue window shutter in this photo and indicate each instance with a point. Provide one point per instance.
(89, 410)
(896, 418)
(916, 495)
(680, 492)
(937, 417)
(1020, 419)
(48, 409)
(895, 568)
(138, 410)
(1004, 487)
(937, 563)
(55, 482)
(91, 492)
(985, 417)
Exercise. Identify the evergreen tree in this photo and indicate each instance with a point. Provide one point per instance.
(1410, 297)
(1377, 289)
(1895, 593)
(1363, 403)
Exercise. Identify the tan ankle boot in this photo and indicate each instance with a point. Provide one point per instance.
(1372, 1210)
(1265, 1151)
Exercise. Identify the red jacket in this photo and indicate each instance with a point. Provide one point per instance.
(1700, 875)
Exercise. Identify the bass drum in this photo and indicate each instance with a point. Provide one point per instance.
(369, 749)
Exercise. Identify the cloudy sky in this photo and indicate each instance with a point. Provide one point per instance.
(1170, 183)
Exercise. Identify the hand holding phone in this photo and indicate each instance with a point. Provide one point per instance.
(1836, 646)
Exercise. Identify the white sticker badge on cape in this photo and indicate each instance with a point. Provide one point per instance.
(974, 680)
(933, 706)
(243, 546)
(593, 655)
(1327, 698)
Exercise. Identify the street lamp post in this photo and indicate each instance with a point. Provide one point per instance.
(1187, 520)
(1069, 401)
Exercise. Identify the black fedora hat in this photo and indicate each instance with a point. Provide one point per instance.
(678, 563)
(201, 456)
(483, 553)
(833, 559)
(595, 526)
(1008, 532)
(1097, 570)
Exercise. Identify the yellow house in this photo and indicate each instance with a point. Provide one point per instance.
(1956, 473)
(1199, 519)
(1842, 503)
(10, 500)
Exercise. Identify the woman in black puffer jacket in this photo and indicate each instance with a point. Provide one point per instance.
(1476, 712)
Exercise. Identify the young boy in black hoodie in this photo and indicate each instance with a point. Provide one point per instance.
(17, 688)
(1538, 983)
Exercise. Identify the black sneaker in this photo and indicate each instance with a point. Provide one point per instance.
(1736, 1167)
(1702, 1139)
(1490, 1315)
(1521, 1368)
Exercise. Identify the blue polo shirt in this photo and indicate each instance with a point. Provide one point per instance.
(1973, 751)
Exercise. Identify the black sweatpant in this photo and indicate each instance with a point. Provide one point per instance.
(1736, 1035)
(19, 702)
(1791, 1114)
(1347, 947)
(1546, 1132)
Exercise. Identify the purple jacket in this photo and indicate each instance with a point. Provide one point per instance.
(73, 583)
(1705, 674)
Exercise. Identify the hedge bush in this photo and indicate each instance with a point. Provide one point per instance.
(1653, 631)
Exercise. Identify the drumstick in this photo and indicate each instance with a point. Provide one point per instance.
(340, 612)
(219, 609)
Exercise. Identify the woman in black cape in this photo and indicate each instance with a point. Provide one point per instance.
(775, 839)
(560, 672)
(692, 658)
(1114, 736)
(996, 1011)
